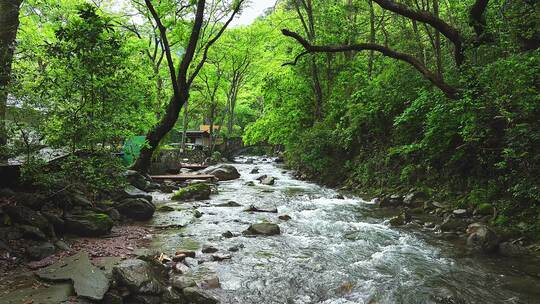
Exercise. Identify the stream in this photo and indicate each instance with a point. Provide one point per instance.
(332, 250)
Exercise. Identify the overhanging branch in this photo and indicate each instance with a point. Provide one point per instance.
(448, 90)
(426, 17)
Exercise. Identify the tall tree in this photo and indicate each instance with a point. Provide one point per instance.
(181, 81)
(9, 24)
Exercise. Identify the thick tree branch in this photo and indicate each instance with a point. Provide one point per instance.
(448, 90)
(426, 17)
(477, 18)
(212, 41)
(166, 47)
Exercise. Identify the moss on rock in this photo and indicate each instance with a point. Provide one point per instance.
(198, 191)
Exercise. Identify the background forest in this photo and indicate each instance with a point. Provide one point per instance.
(379, 96)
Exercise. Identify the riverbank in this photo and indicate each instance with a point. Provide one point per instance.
(319, 246)
(446, 215)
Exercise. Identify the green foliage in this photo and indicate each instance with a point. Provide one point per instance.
(94, 173)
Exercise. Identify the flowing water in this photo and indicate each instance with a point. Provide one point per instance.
(332, 250)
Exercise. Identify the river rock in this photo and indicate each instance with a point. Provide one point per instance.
(165, 208)
(193, 192)
(451, 224)
(254, 171)
(40, 251)
(26, 216)
(229, 204)
(136, 208)
(89, 223)
(132, 192)
(218, 257)
(227, 234)
(284, 217)
(267, 180)
(136, 179)
(236, 248)
(187, 253)
(460, 212)
(191, 262)
(199, 296)
(400, 220)
(88, 280)
(168, 186)
(137, 276)
(263, 229)
(181, 268)
(209, 249)
(40, 294)
(252, 208)
(415, 199)
(222, 172)
(32, 233)
(209, 282)
(55, 218)
(392, 201)
(78, 199)
(250, 184)
(181, 281)
(482, 238)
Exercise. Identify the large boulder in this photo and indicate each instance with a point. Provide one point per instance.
(200, 191)
(263, 229)
(222, 172)
(138, 276)
(138, 209)
(482, 238)
(133, 192)
(197, 295)
(136, 179)
(32, 233)
(26, 216)
(88, 223)
(88, 281)
(268, 180)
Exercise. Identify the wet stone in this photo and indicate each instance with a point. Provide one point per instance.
(284, 217)
(88, 280)
(221, 257)
(263, 229)
(209, 249)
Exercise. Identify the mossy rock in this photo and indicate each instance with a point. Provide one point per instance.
(193, 192)
(89, 224)
(484, 209)
(165, 209)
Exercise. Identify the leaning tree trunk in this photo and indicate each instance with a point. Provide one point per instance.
(9, 23)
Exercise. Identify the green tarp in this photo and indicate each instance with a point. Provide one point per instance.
(132, 149)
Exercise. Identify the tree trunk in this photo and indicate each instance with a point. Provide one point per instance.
(371, 37)
(185, 126)
(9, 24)
(180, 95)
(438, 53)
